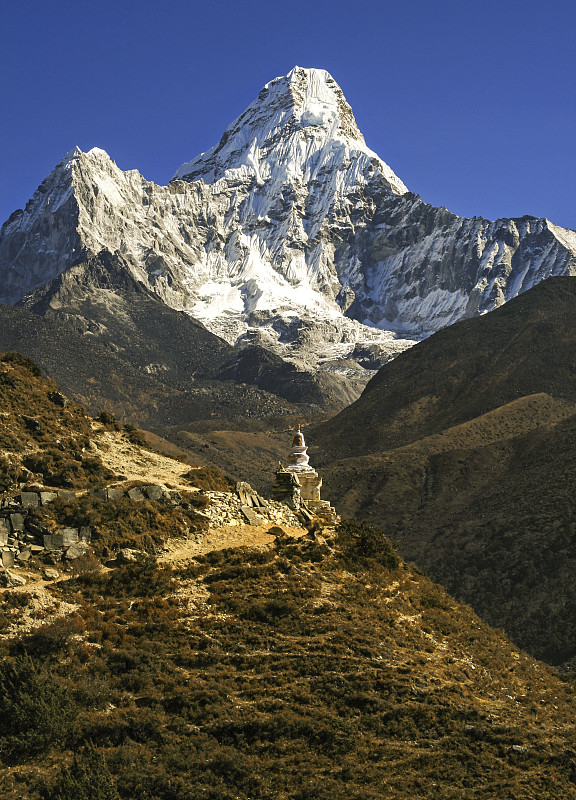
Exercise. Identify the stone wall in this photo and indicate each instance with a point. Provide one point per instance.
(23, 535)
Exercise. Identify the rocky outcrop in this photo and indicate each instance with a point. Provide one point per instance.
(24, 536)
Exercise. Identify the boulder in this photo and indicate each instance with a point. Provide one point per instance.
(47, 497)
(115, 494)
(17, 522)
(77, 550)
(69, 536)
(136, 493)
(153, 492)
(7, 558)
(51, 574)
(251, 516)
(246, 493)
(126, 555)
(9, 580)
(24, 555)
(65, 494)
(86, 533)
(29, 499)
(53, 541)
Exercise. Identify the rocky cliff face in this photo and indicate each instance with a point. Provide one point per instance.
(290, 234)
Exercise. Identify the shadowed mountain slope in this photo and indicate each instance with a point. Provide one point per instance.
(111, 343)
(524, 347)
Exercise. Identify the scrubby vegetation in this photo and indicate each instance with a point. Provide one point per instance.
(52, 437)
(123, 523)
(36, 712)
(463, 448)
(210, 478)
(360, 541)
(308, 669)
(108, 419)
(320, 668)
(59, 469)
(134, 435)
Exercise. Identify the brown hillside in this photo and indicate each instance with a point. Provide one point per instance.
(300, 667)
(298, 670)
(525, 347)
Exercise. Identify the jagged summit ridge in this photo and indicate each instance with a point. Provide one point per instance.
(298, 126)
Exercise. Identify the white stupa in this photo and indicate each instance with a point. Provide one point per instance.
(299, 484)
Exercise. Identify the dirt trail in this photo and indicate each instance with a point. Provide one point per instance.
(228, 536)
(44, 607)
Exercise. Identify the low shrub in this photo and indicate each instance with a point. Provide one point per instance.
(22, 361)
(10, 473)
(359, 541)
(109, 420)
(143, 578)
(134, 435)
(51, 638)
(271, 611)
(61, 469)
(88, 778)
(210, 478)
(36, 712)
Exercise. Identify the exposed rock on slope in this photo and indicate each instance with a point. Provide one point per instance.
(111, 343)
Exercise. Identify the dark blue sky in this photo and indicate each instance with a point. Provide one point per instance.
(472, 104)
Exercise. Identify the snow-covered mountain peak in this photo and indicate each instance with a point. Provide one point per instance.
(76, 168)
(299, 126)
(71, 155)
(290, 234)
(317, 100)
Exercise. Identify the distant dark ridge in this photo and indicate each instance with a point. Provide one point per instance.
(524, 347)
(110, 342)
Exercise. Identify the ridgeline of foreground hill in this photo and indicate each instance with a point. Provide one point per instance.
(464, 448)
